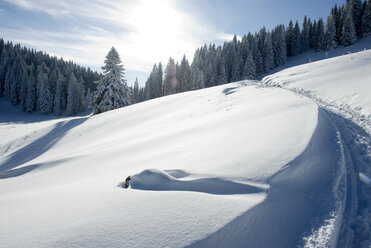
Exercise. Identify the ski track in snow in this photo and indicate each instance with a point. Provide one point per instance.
(354, 130)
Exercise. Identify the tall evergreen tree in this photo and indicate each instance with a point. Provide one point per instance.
(58, 94)
(330, 34)
(170, 81)
(112, 88)
(366, 19)
(305, 34)
(249, 71)
(320, 37)
(289, 36)
(279, 45)
(348, 35)
(136, 91)
(45, 100)
(31, 90)
(23, 86)
(268, 53)
(313, 35)
(296, 40)
(355, 7)
(72, 98)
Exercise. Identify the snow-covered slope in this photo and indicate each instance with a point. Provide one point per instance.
(238, 165)
(342, 84)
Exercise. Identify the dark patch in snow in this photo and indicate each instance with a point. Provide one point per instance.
(229, 91)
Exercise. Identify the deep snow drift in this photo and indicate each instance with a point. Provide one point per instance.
(230, 166)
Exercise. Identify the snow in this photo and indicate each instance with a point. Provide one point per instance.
(213, 149)
(342, 84)
(242, 164)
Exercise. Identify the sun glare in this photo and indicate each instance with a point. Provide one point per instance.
(157, 31)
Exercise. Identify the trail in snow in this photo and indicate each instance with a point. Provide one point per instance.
(302, 199)
(343, 92)
(354, 129)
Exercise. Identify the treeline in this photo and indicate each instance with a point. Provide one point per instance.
(38, 82)
(256, 54)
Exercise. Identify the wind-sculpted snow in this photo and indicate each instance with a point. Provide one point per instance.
(152, 179)
(213, 151)
(304, 199)
(342, 87)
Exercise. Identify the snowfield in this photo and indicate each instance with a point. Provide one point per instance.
(238, 165)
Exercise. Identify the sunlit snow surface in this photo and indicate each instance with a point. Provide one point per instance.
(238, 165)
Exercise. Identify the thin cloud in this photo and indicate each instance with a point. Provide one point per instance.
(143, 31)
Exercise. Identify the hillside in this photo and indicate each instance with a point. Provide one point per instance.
(242, 164)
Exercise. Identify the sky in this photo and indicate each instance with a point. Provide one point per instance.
(143, 31)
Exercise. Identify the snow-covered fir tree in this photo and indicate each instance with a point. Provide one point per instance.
(305, 32)
(113, 92)
(296, 40)
(170, 81)
(279, 45)
(72, 99)
(355, 6)
(45, 100)
(31, 90)
(80, 95)
(289, 36)
(136, 91)
(23, 86)
(268, 53)
(320, 36)
(249, 71)
(366, 19)
(58, 94)
(348, 35)
(330, 33)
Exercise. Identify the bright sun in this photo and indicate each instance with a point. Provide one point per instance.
(158, 31)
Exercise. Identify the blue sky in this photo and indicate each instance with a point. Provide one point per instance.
(143, 31)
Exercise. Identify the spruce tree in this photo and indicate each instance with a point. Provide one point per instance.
(23, 87)
(296, 40)
(289, 36)
(136, 91)
(45, 100)
(366, 19)
(305, 34)
(249, 71)
(313, 35)
(330, 34)
(170, 81)
(112, 89)
(80, 95)
(279, 45)
(268, 53)
(72, 98)
(31, 90)
(348, 35)
(355, 7)
(58, 94)
(320, 37)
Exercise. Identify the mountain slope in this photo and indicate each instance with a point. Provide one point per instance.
(234, 165)
(342, 86)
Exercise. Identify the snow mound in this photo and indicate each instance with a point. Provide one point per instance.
(152, 179)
